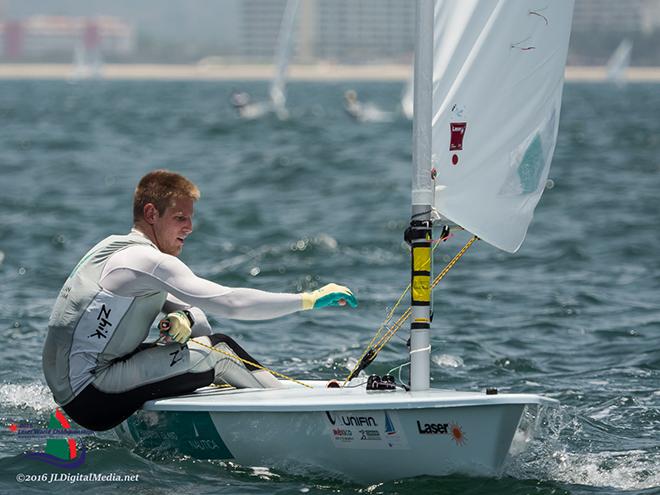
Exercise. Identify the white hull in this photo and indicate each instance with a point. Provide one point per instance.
(351, 433)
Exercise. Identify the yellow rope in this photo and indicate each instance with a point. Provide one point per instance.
(237, 358)
(436, 281)
(382, 325)
(380, 329)
(397, 324)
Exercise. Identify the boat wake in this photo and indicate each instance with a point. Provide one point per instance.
(371, 113)
(545, 456)
(34, 396)
(628, 470)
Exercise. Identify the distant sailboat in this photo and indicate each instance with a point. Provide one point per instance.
(618, 63)
(87, 59)
(285, 40)
(277, 90)
(364, 112)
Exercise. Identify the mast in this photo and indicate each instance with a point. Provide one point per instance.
(420, 233)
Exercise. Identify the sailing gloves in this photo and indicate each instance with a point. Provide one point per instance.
(177, 326)
(328, 295)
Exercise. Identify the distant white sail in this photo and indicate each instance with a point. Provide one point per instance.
(407, 97)
(619, 62)
(87, 58)
(282, 56)
(497, 85)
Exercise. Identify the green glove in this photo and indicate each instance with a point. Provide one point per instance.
(175, 326)
(328, 295)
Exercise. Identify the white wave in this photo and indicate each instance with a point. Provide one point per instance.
(447, 361)
(255, 110)
(322, 240)
(34, 396)
(263, 472)
(326, 241)
(372, 113)
(627, 470)
(539, 452)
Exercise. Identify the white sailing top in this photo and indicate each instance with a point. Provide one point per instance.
(109, 302)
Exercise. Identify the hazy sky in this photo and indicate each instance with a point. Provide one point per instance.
(176, 20)
(200, 27)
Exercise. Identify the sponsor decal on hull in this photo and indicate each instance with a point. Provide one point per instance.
(452, 430)
(357, 430)
(457, 434)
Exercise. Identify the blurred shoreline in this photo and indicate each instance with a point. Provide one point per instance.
(246, 72)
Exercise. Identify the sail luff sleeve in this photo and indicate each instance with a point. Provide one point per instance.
(422, 185)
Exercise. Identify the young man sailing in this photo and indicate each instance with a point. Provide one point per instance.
(95, 360)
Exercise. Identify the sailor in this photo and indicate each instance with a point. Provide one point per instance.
(239, 100)
(95, 360)
(352, 105)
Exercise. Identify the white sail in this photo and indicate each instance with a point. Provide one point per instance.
(282, 56)
(619, 61)
(87, 56)
(80, 70)
(497, 85)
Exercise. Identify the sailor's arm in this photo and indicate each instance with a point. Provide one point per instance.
(142, 269)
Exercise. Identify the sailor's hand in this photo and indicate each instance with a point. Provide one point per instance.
(176, 326)
(328, 295)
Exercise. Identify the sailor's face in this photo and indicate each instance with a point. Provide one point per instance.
(174, 225)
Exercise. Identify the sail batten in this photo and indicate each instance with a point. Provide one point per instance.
(497, 85)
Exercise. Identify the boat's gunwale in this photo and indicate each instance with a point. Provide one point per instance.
(324, 399)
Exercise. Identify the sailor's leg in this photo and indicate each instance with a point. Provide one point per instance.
(159, 371)
(240, 373)
(119, 390)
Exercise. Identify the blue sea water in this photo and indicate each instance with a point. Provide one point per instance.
(290, 205)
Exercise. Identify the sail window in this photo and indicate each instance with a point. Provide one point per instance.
(530, 162)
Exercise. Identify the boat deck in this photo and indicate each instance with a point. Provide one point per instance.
(320, 398)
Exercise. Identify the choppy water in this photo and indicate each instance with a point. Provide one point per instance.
(288, 206)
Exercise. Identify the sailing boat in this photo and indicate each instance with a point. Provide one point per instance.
(618, 63)
(277, 90)
(87, 59)
(364, 112)
(488, 85)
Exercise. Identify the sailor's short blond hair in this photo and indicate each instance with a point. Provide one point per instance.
(161, 188)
